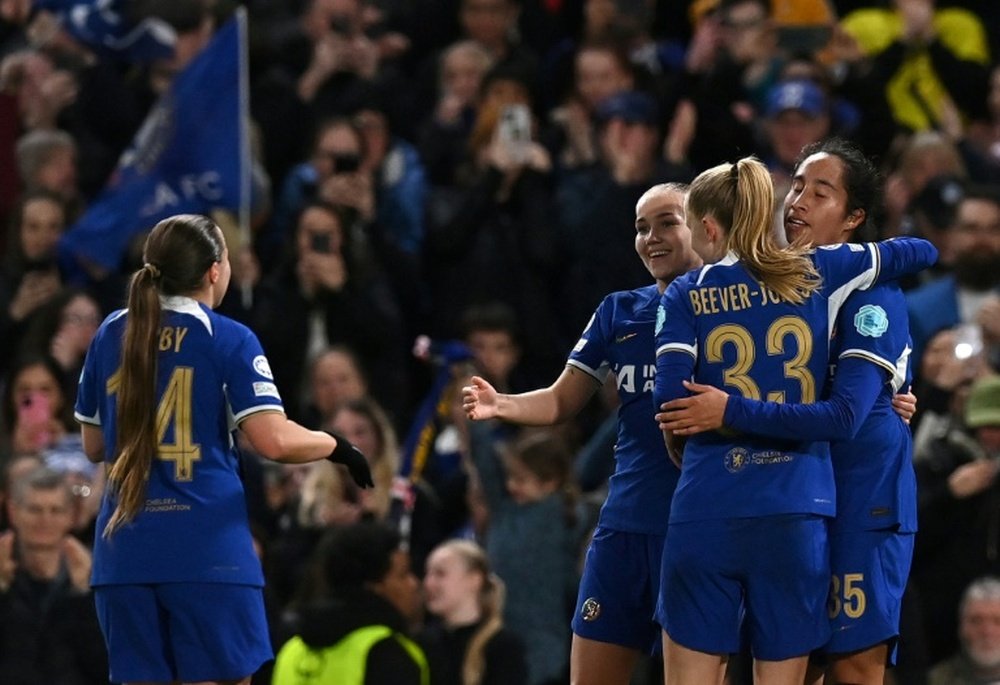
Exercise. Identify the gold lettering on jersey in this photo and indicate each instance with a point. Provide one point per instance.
(714, 299)
(171, 337)
(769, 296)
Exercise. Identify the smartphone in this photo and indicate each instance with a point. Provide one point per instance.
(34, 409)
(340, 25)
(515, 130)
(968, 341)
(636, 9)
(34, 414)
(320, 242)
(345, 163)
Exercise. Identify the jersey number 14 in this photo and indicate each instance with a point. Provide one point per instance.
(175, 409)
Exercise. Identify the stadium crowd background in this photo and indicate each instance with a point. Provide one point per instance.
(391, 203)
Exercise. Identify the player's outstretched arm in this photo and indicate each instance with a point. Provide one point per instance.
(558, 402)
(274, 436)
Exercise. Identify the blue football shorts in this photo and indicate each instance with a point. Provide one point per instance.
(187, 632)
(869, 571)
(618, 591)
(773, 572)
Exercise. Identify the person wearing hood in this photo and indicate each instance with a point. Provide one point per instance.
(357, 633)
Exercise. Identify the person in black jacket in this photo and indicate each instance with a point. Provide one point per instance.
(48, 624)
(468, 643)
(355, 631)
(959, 514)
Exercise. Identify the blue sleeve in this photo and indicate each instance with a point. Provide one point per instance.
(856, 385)
(249, 382)
(902, 256)
(676, 345)
(590, 354)
(87, 409)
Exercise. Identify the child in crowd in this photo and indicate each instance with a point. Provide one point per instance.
(533, 540)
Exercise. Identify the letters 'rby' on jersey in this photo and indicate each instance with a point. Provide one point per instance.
(211, 374)
(619, 338)
(728, 330)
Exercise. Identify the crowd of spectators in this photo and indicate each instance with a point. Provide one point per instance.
(396, 198)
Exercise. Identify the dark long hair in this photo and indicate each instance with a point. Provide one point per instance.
(862, 181)
(177, 253)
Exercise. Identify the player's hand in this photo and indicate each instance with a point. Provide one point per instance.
(702, 411)
(905, 404)
(479, 399)
(350, 456)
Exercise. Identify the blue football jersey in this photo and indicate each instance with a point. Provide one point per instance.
(211, 374)
(619, 338)
(876, 485)
(871, 445)
(724, 328)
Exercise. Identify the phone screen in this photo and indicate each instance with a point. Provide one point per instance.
(515, 130)
(34, 410)
(320, 242)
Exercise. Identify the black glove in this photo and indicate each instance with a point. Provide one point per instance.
(350, 456)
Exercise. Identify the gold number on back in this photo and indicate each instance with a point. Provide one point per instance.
(737, 375)
(796, 366)
(174, 408)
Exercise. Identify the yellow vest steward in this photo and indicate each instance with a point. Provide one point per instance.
(342, 663)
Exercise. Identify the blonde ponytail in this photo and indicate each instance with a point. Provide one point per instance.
(740, 197)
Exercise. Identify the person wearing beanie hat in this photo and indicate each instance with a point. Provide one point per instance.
(932, 211)
(982, 409)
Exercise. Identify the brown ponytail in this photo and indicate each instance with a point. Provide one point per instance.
(178, 252)
(136, 399)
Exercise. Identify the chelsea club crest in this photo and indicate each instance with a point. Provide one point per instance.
(736, 459)
(590, 610)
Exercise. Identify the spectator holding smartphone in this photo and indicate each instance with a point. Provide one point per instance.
(330, 291)
(34, 406)
(29, 277)
(490, 237)
(337, 149)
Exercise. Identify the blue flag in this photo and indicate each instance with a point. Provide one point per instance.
(104, 27)
(190, 156)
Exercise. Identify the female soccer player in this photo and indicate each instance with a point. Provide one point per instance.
(612, 624)
(871, 539)
(176, 581)
(747, 537)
